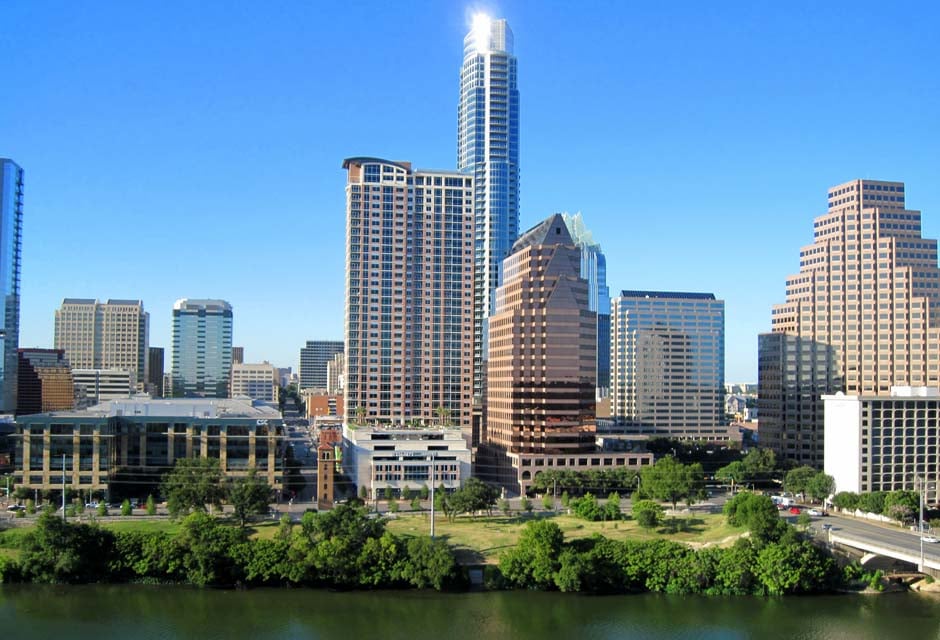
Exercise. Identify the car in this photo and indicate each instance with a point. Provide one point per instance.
(16, 507)
(781, 507)
(827, 527)
(929, 539)
(814, 512)
(795, 511)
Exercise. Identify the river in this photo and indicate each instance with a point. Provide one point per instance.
(167, 613)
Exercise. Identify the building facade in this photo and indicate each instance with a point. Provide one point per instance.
(885, 442)
(861, 316)
(109, 335)
(323, 405)
(409, 293)
(542, 366)
(256, 381)
(396, 458)
(238, 355)
(336, 373)
(594, 270)
(45, 382)
(668, 364)
(93, 386)
(11, 246)
(488, 150)
(140, 437)
(202, 348)
(314, 359)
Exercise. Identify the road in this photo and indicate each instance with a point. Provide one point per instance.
(888, 536)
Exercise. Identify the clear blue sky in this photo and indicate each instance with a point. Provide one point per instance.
(193, 149)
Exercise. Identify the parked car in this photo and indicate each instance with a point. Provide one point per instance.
(795, 511)
(16, 507)
(929, 539)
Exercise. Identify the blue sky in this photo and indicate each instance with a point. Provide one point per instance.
(182, 149)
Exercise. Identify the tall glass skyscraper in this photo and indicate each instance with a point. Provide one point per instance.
(488, 148)
(11, 240)
(594, 270)
(202, 348)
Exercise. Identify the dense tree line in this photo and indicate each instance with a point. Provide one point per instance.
(774, 560)
(342, 548)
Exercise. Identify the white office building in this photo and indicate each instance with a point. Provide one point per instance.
(377, 457)
(884, 442)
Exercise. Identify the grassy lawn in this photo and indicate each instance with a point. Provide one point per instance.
(482, 539)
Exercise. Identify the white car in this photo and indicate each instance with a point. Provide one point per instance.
(814, 512)
(929, 539)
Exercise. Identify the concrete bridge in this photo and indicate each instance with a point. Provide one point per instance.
(874, 549)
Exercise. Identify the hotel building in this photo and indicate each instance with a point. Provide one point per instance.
(409, 288)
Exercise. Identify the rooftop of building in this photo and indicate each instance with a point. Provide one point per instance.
(199, 304)
(551, 230)
(145, 406)
(674, 295)
(896, 393)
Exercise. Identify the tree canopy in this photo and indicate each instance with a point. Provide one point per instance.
(673, 481)
(192, 484)
(250, 496)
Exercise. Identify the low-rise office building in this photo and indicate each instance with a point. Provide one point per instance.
(387, 457)
(884, 442)
(256, 381)
(142, 438)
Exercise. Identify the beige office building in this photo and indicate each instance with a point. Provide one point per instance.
(409, 293)
(255, 381)
(109, 335)
(859, 317)
(542, 368)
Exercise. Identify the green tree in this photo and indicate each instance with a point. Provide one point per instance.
(535, 558)
(429, 563)
(126, 509)
(733, 473)
(363, 492)
(406, 494)
(795, 567)
(548, 502)
(873, 502)
(475, 495)
(821, 486)
(416, 504)
(565, 498)
(151, 505)
(759, 464)
(756, 512)
(102, 508)
(901, 505)
(30, 506)
(797, 480)
(671, 481)
(56, 551)
(192, 484)
(388, 494)
(647, 513)
(503, 505)
(525, 505)
(393, 506)
(846, 500)
(612, 507)
(250, 496)
(424, 492)
(803, 520)
(587, 508)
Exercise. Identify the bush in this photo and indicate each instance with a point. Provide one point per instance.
(151, 506)
(647, 513)
(126, 507)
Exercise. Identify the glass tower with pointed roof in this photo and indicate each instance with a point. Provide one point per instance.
(488, 149)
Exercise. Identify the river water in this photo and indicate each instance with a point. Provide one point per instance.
(126, 612)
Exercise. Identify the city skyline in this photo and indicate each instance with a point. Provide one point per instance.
(687, 131)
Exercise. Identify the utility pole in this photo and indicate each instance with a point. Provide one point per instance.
(63, 486)
(921, 525)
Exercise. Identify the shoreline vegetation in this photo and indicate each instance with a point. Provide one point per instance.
(351, 548)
